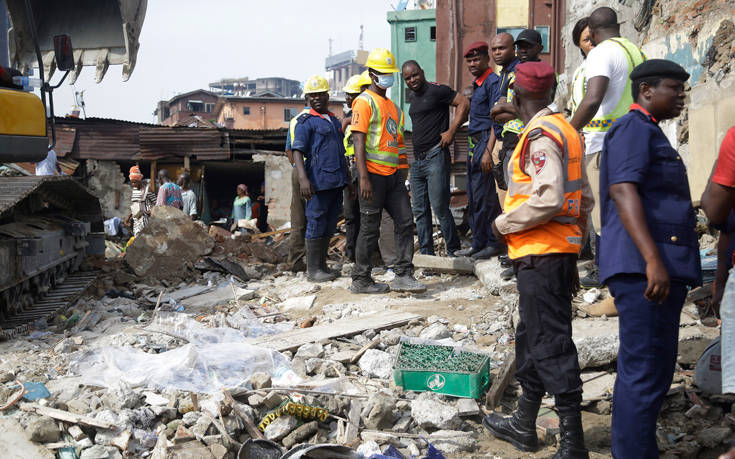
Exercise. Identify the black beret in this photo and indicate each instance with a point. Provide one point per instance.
(659, 68)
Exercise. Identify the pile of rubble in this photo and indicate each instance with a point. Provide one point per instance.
(214, 361)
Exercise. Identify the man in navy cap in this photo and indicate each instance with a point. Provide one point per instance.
(543, 221)
(649, 253)
(481, 193)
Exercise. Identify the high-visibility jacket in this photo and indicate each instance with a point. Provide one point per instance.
(561, 234)
(349, 145)
(384, 137)
(635, 57)
(579, 87)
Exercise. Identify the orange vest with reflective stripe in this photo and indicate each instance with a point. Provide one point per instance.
(561, 234)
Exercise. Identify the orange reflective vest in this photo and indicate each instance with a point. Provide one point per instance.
(561, 234)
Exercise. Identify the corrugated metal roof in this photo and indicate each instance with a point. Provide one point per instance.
(459, 148)
(63, 192)
(65, 138)
(202, 143)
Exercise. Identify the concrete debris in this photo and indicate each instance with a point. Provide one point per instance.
(213, 323)
(431, 413)
(375, 363)
(44, 430)
(280, 427)
(168, 246)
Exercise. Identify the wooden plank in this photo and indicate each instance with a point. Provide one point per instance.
(463, 265)
(501, 382)
(269, 233)
(293, 339)
(375, 341)
(353, 423)
(66, 416)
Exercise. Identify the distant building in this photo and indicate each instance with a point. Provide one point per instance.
(342, 66)
(459, 26)
(413, 36)
(182, 107)
(256, 113)
(259, 87)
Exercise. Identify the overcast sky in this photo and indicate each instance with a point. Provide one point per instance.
(186, 44)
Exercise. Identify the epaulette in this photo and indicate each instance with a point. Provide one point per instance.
(302, 118)
(535, 134)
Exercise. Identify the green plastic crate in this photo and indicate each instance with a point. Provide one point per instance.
(442, 369)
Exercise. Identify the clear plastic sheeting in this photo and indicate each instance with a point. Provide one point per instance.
(245, 325)
(201, 368)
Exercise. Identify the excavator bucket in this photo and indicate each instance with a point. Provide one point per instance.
(103, 33)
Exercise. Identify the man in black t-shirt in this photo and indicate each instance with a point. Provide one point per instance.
(432, 135)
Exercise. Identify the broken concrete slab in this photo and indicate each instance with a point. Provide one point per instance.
(220, 295)
(463, 265)
(169, 245)
(431, 413)
(298, 303)
(488, 272)
(375, 363)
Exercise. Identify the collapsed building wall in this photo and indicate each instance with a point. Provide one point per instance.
(107, 182)
(699, 36)
(277, 187)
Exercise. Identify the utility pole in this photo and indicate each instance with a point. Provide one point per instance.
(361, 44)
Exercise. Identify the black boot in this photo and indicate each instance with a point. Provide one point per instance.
(314, 262)
(324, 256)
(520, 428)
(570, 424)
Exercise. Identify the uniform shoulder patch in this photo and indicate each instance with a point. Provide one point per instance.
(538, 159)
(535, 133)
(303, 117)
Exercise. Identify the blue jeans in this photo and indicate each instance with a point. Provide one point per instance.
(430, 191)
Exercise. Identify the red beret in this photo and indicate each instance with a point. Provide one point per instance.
(477, 47)
(535, 77)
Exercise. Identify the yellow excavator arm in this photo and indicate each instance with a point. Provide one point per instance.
(102, 33)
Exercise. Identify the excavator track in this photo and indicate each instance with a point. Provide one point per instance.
(47, 306)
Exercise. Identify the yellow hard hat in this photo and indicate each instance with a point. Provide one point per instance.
(316, 83)
(353, 85)
(365, 79)
(381, 60)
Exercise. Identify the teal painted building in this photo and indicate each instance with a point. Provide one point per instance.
(413, 36)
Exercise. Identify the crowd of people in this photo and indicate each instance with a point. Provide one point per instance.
(543, 188)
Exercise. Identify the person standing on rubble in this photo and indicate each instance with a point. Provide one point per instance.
(242, 208)
(483, 197)
(169, 193)
(377, 133)
(319, 155)
(718, 202)
(543, 223)
(607, 98)
(188, 197)
(649, 252)
(297, 237)
(354, 87)
(141, 201)
(432, 135)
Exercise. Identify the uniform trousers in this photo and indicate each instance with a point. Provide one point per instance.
(322, 212)
(649, 335)
(296, 248)
(546, 358)
(482, 197)
(352, 221)
(389, 193)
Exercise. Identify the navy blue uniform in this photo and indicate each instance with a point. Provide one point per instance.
(319, 137)
(483, 198)
(636, 151)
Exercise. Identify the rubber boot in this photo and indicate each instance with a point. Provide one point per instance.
(314, 273)
(324, 257)
(520, 428)
(570, 425)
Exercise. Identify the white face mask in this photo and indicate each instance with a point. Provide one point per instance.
(385, 81)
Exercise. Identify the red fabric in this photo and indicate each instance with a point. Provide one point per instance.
(635, 106)
(535, 77)
(478, 46)
(483, 77)
(3, 74)
(725, 169)
(316, 113)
